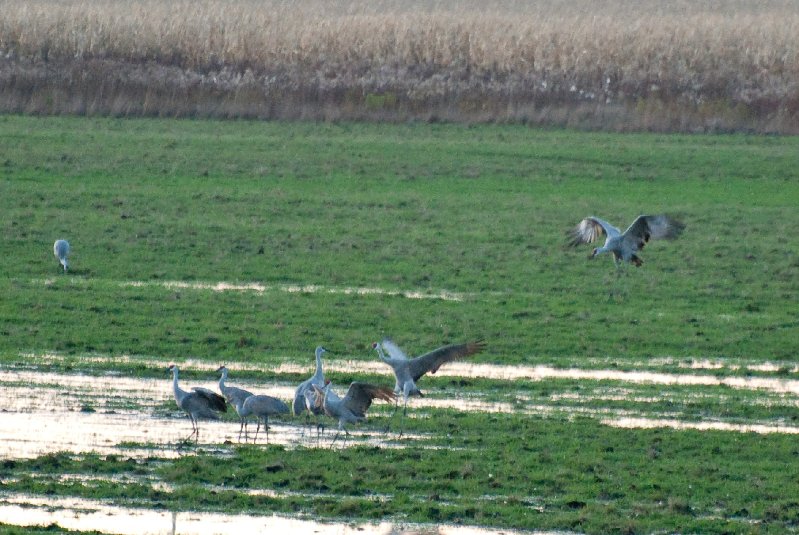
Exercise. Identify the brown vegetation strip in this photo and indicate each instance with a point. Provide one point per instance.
(613, 63)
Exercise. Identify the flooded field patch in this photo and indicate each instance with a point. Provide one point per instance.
(50, 412)
(653, 423)
(89, 515)
(256, 287)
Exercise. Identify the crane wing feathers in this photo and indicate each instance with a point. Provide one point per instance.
(393, 350)
(360, 395)
(433, 360)
(646, 227)
(266, 404)
(215, 401)
(590, 230)
(233, 394)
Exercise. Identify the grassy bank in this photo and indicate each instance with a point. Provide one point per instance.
(615, 65)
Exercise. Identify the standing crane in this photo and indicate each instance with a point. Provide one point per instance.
(236, 397)
(409, 370)
(303, 396)
(61, 251)
(263, 406)
(625, 245)
(353, 406)
(200, 403)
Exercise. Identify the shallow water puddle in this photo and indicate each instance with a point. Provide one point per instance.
(89, 515)
(493, 371)
(33, 434)
(69, 388)
(27, 435)
(256, 287)
(653, 423)
(708, 364)
(82, 413)
(48, 412)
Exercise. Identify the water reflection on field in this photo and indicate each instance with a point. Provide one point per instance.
(107, 414)
(48, 412)
(89, 515)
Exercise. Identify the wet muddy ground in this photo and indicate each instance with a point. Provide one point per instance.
(72, 513)
(50, 412)
(46, 412)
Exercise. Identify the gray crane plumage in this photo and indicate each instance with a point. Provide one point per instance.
(236, 397)
(199, 403)
(318, 378)
(352, 407)
(625, 245)
(262, 407)
(407, 371)
(61, 251)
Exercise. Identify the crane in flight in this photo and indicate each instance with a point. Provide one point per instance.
(625, 245)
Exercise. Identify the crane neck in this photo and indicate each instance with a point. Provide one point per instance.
(325, 395)
(175, 387)
(318, 374)
(380, 353)
(222, 380)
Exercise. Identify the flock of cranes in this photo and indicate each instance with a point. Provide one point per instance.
(315, 396)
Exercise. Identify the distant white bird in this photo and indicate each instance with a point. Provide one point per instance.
(304, 395)
(263, 406)
(625, 245)
(200, 403)
(61, 251)
(407, 371)
(353, 406)
(236, 397)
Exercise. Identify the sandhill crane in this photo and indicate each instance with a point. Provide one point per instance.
(353, 406)
(301, 404)
(61, 251)
(200, 403)
(236, 397)
(263, 406)
(408, 371)
(625, 245)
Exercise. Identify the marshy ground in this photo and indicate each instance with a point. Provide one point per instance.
(632, 400)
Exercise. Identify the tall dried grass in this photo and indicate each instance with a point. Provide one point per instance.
(678, 65)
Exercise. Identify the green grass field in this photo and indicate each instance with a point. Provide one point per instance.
(480, 212)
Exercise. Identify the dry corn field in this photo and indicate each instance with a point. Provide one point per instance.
(693, 65)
